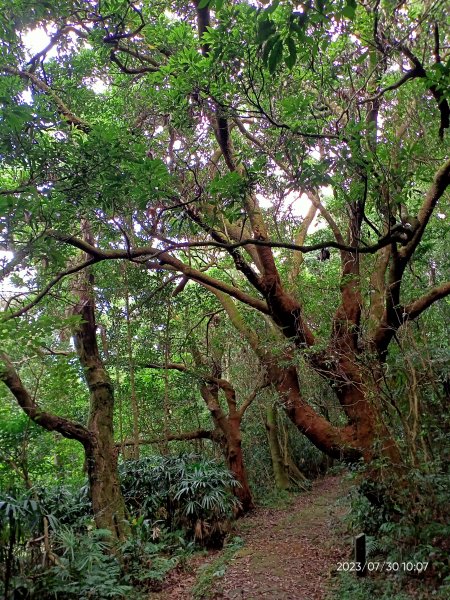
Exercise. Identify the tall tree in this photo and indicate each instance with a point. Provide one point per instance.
(206, 116)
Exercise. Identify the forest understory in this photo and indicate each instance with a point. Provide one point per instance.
(288, 553)
(224, 279)
(295, 551)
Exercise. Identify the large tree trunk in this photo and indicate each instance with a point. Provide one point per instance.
(354, 391)
(107, 500)
(230, 427)
(101, 455)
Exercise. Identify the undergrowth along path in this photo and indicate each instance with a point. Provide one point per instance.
(289, 554)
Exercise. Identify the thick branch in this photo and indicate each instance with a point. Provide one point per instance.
(440, 183)
(165, 259)
(413, 310)
(130, 70)
(172, 437)
(436, 92)
(63, 109)
(69, 429)
(396, 234)
(393, 315)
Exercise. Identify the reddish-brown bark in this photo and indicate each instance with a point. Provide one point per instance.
(235, 462)
(230, 427)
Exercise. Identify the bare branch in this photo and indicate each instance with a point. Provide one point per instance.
(248, 401)
(412, 74)
(53, 41)
(131, 70)
(315, 200)
(47, 288)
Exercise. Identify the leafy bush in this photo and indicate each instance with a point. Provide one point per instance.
(410, 524)
(146, 560)
(85, 568)
(185, 492)
(49, 547)
(22, 527)
(68, 505)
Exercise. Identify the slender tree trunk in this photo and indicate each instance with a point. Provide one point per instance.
(230, 428)
(235, 461)
(107, 500)
(133, 398)
(279, 470)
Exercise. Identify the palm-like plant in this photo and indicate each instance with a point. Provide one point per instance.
(185, 491)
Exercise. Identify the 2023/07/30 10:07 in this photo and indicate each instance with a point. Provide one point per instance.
(389, 567)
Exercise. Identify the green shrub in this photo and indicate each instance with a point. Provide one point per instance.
(70, 506)
(85, 569)
(408, 523)
(185, 492)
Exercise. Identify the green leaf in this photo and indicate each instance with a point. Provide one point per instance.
(350, 9)
(297, 23)
(270, 9)
(269, 44)
(291, 59)
(266, 28)
(275, 57)
(204, 3)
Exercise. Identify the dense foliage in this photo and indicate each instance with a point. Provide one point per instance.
(48, 547)
(223, 229)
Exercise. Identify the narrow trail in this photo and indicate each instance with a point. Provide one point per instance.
(288, 553)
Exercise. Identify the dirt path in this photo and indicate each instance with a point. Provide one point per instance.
(288, 554)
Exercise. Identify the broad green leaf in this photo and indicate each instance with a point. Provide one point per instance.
(349, 9)
(276, 56)
(268, 45)
(291, 58)
(265, 29)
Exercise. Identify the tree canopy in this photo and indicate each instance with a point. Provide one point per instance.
(205, 203)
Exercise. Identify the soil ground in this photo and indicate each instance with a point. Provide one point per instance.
(288, 554)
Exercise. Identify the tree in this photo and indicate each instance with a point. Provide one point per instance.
(343, 104)
(97, 437)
